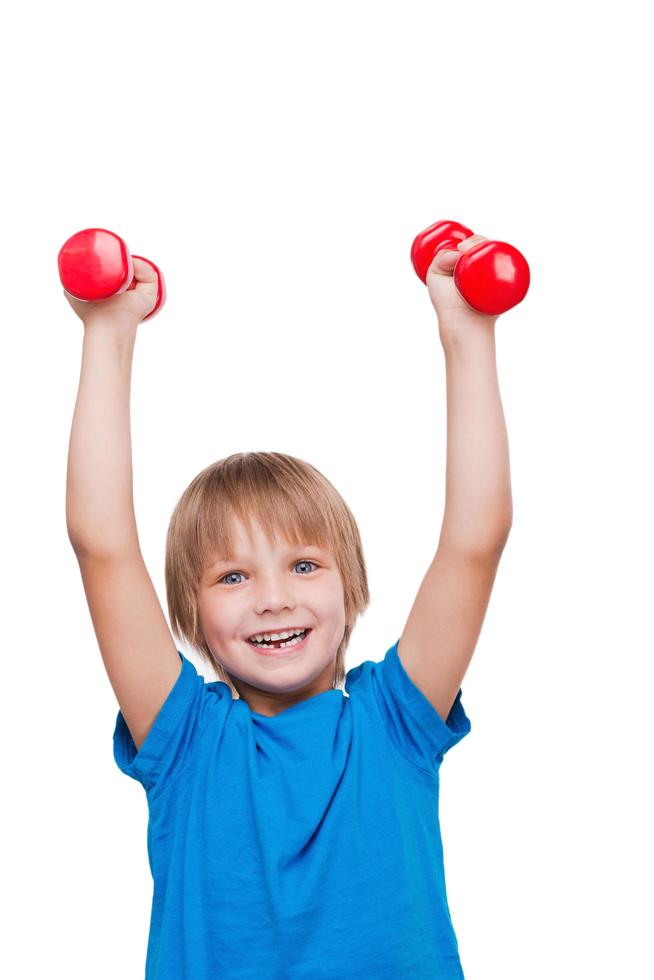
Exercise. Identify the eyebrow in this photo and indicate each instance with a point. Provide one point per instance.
(290, 551)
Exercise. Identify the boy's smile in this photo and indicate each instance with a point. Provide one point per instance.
(279, 644)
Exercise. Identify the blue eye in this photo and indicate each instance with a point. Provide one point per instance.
(304, 561)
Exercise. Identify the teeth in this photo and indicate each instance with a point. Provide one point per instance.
(279, 646)
(275, 637)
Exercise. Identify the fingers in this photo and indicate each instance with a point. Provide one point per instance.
(471, 242)
(143, 271)
(445, 260)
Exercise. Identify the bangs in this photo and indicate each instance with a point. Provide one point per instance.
(286, 509)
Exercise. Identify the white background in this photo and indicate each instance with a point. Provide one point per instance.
(276, 161)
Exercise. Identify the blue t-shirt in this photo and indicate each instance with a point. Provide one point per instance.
(305, 846)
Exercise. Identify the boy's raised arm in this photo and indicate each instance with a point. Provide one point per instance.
(137, 647)
(445, 621)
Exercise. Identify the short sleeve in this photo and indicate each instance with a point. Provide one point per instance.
(415, 727)
(169, 744)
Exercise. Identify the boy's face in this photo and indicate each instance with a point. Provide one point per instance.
(264, 588)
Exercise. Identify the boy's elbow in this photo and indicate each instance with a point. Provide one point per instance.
(487, 544)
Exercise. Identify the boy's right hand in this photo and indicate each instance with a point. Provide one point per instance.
(130, 306)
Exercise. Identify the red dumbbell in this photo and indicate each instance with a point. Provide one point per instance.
(95, 264)
(491, 277)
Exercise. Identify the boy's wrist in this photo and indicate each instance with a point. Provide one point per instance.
(104, 321)
(470, 335)
(117, 330)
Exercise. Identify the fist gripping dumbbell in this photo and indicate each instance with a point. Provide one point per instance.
(491, 277)
(95, 264)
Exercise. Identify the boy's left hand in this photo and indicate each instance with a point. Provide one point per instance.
(456, 320)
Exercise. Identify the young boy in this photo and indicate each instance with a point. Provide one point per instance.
(293, 830)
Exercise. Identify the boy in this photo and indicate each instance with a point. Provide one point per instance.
(293, 830)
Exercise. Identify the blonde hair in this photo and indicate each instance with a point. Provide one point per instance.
(288, 498)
